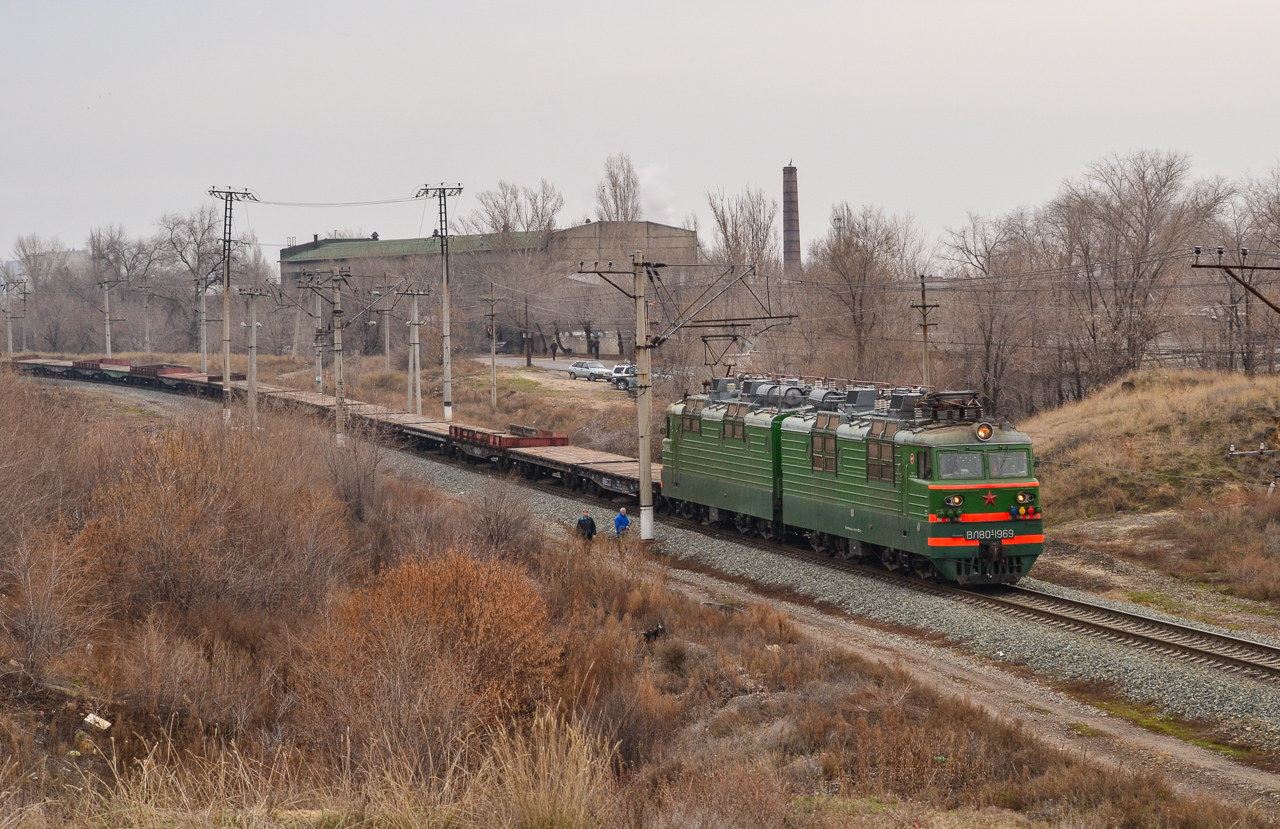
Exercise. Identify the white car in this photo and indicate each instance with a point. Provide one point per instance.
(590, 369)
(623, 374)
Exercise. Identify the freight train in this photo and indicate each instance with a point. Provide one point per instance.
(921, 481)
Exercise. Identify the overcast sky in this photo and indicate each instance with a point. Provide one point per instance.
(119, 112)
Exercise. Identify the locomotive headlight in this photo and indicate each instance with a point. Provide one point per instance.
(1026, 498)
(984, 431)
(953, 500)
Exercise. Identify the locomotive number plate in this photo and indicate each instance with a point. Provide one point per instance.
(978, 535)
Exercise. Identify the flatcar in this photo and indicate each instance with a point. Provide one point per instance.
(922, 482)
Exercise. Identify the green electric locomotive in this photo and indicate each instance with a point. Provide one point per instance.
(922, 482)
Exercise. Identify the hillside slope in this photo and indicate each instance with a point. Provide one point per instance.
(1153, 439)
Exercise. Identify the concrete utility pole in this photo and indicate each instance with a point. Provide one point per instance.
(105, 284)
(924, 308)
(201, 288)
(413, 392)
(339, 414)
(644, 396)
(229, 197)
(443, 192)
(320, 332)
(8, 317)
(493, 352)
(385, 313)
(146, 320)
(640, 272)
(252, 375)
(528, 336)
(24, 293)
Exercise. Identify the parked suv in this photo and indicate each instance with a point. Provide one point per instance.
(622, 374)
(590, 369)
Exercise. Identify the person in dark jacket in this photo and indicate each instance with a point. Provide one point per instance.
(621, 523)
(587, 526)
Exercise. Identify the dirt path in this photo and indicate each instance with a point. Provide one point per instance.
(1052, 716)
(555, 377)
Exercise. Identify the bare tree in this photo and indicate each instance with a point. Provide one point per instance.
(618, 195)
(744, 227)
(864, 256)
(40, 259)
(1118, 229)
(511, 209)
(192, 246)
(990, 252)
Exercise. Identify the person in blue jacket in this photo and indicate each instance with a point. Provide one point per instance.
(621, 523)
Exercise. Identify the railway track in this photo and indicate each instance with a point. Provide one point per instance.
(1210, 649)
(1216, 650)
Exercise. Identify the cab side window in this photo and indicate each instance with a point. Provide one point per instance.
(924, 466)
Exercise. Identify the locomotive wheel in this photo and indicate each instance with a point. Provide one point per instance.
(768, 530)
(890, 559)
(744, 524)
(687, 510)
(820, 542)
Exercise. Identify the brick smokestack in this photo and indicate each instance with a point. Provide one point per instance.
(790, 221)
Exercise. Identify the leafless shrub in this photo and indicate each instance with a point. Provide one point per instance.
(47, 607)
(203, 515)
(353, 468)
(503, 521)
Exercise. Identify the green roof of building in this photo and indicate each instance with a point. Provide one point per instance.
(328, 250)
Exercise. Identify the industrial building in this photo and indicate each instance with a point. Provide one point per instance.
(533, 275)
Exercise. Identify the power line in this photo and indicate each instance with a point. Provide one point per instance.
(335, 203)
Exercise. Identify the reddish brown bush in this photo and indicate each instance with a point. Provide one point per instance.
(425, 652)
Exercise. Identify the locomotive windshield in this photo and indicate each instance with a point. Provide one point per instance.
(959, 465)
(1008, 464)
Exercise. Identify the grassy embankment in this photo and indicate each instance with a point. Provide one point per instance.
(282, 634)
(1158, 440)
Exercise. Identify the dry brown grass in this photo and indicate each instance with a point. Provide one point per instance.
(273, 656)
(1156, 444)
(1231, 542)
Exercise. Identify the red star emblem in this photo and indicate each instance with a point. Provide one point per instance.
(989, 498)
